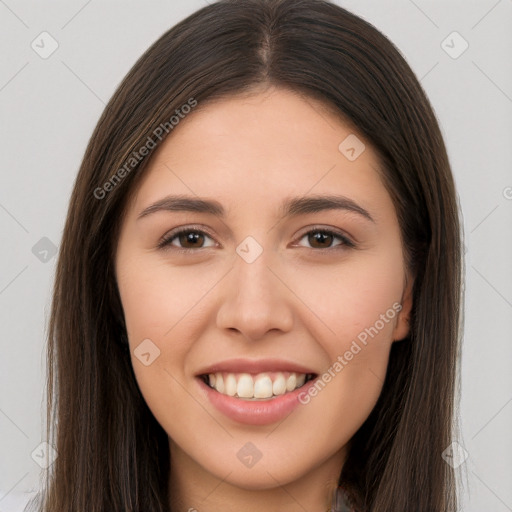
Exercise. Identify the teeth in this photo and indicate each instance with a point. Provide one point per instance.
(291, 382)
(245, 386)
(230, 383)
(261, 386)
(279, 385)
(218, 383)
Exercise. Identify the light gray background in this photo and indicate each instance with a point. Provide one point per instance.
(49, 107)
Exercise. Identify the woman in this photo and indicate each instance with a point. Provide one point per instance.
(258, 289)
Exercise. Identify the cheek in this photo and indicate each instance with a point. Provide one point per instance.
(357, 299)
(345, 395)
(165, 310)
(157, 298)
(357, 303)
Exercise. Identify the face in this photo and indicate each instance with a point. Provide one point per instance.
(261, 272)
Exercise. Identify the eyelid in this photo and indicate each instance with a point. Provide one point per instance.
(165, 241)
(347, 241)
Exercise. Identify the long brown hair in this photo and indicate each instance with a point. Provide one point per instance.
(112, 453)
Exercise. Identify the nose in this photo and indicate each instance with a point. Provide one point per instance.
(255, 301)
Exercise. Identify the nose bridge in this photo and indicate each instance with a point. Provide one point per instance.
(254, 300)
(253, 279)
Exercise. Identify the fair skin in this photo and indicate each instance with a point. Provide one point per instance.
(304, 300)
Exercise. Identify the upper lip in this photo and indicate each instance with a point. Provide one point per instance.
(254, 366)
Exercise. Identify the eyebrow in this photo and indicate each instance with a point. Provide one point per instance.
(290, 208)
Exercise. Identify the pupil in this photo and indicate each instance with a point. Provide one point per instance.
(194, 239)
(320, 239)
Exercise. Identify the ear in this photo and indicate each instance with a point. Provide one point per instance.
(402, 325)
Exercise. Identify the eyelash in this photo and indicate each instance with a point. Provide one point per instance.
(165, 242)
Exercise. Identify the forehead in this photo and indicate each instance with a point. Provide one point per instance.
(258, 147)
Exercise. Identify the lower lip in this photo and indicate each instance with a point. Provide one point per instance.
(255, 412)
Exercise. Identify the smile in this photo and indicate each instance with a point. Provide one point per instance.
(261, 386)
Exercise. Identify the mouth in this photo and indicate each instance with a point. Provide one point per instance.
(256, 386)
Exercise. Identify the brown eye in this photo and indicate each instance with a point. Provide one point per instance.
(320, 239)
(191, 239)
(186, 239)
(325, 239)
